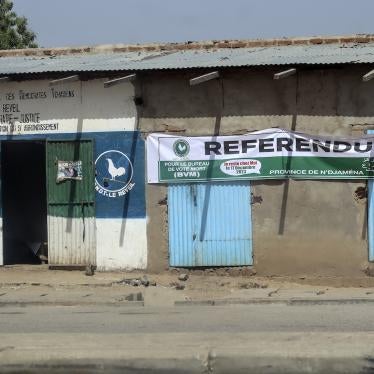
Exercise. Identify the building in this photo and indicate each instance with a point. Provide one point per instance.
(94, 108)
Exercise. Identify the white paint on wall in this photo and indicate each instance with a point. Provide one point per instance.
(121, 244)
(32, 107)
(107, 109)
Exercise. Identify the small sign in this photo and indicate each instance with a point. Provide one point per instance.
(69, 170)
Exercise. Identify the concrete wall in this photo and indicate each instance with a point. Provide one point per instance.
(85, 109)
(299, 227)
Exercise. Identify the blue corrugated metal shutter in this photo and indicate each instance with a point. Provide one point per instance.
(210, 224)
(371, 214)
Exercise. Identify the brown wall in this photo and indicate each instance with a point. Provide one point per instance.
(299, 227)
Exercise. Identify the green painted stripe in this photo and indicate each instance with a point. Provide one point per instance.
(268, 168)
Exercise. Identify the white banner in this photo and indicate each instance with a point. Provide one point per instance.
(271, 153)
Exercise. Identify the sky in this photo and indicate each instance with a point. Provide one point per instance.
(59, 23)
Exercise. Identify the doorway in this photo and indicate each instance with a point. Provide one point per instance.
(24, 202)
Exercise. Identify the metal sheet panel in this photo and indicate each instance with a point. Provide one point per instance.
(1, 217)
(71, 241)
(371, 214)
(71, 206)
(210, 224)
(347, 53)
(181, 224)
(70, 191)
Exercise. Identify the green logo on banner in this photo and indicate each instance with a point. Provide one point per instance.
(181, 148)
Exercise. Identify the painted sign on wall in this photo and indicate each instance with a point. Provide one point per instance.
(119, 179)
(33, 107)
(267, 154)
(114, 173)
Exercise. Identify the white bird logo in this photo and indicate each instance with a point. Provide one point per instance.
(113, 171)
(181, 147)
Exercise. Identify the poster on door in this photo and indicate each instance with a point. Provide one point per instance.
(69, 170)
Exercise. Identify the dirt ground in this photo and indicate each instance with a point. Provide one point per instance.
(181, 284)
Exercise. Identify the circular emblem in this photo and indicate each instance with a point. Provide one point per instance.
(114, 173)
(181, 148)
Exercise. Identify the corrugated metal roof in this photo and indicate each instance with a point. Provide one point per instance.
(186, 59)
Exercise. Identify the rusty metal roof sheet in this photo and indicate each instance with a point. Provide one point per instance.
(350, 53)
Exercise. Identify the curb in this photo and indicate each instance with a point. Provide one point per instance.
(198, 362)
(262, 301)
(71, 303)
(67, 285)
(179, 303)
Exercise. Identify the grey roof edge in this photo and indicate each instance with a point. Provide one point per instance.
(106, 60)
(190, 45)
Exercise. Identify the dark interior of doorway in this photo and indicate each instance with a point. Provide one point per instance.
(24, 201)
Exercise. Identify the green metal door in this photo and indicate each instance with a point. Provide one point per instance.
(71, 203)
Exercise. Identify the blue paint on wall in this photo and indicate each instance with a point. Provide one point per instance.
(120, 183)
(117, 205)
